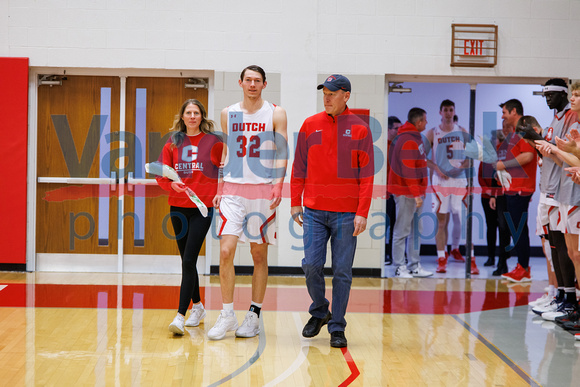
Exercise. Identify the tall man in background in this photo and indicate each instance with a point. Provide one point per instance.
(449, 183)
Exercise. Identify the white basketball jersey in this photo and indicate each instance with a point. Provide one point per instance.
(447, 154)
(251, 150)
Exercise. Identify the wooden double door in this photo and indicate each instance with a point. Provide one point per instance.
(92, 196)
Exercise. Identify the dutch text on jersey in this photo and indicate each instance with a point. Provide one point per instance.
(248, 126)
(252, 146)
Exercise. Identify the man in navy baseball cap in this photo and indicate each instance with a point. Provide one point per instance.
(336, 82)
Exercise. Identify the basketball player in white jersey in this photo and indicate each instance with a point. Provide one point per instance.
(449, 182)
(254, 166)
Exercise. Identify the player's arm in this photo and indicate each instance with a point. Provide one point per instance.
(429, 136)
(224, 124)
(433, 167)
(570, 144)
(280, 122)
(519, 161)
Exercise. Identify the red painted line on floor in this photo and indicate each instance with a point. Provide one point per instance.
(279, 299)
(354, 372)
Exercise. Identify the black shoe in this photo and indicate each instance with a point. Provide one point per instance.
(500, 270)
(337, 339)
(388, 261)
(489, 262)
(313, 326)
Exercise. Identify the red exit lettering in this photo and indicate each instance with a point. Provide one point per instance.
(472, 47)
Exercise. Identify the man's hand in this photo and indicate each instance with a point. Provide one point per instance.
(276, 196)
(360, 224)
(492, 203)
(217, 199)
(178, 186)
(574, 173)
(567, 146)
(419, 201)
(544, 147)
(296, 212)
(441, 174)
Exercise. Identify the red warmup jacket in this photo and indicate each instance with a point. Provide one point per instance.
(197, 161)
(407, 159)
(333, 166)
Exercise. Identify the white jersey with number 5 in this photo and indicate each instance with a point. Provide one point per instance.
(251, 151)
(447, 153)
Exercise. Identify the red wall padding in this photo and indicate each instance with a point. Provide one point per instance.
(13, 148)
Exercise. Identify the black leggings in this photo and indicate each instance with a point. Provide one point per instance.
(517, 216)
(190, 229)
(492, 225)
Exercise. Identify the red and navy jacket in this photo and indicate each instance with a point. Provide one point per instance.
(407, 158)
(333, 167)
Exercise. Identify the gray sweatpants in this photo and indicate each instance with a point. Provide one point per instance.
(407, 231)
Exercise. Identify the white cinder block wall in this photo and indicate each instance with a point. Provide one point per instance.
(298, 43)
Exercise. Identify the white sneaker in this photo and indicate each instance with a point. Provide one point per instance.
(542, 300)
(226, 322)
(420, 272)
(402, 272)
(551, 316)
(176, 325)
(197, 314)
(550, 307)
(250, 327)
(543, 304)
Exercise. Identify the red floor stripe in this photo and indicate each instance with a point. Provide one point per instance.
(354, 372)
(280, 299)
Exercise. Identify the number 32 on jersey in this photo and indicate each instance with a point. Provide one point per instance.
(243, 142)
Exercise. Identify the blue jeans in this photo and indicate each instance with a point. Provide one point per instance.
(319, 226)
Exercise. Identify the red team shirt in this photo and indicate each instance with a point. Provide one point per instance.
(523, 178)
(197, 162)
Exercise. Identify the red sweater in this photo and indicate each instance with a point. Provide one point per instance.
(408, 173)
(333, 166)
(197, 162)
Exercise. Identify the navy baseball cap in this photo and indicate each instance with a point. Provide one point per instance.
(336, 82)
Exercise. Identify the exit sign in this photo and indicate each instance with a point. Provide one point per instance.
(473, 45)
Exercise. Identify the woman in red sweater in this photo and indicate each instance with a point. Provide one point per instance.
(195, 154)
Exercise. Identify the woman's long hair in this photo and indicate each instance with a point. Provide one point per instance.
(180, 129)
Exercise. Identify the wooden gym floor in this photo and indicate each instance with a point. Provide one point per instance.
(63, 329)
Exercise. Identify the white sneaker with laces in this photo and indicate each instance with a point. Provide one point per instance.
(226, 322)
(402, 272)
(420, 272)
(542, 300)
(550, 307)
(544, 304)
(250, 327)
(197, 314)
(176, 325)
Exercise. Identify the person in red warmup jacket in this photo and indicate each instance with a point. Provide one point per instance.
(331, 192)
(408, 183)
